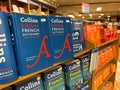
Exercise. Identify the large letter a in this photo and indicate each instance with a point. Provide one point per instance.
(66, 45)
(43, 50)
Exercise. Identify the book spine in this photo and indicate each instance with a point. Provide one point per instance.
(15, 40)
(8, 70)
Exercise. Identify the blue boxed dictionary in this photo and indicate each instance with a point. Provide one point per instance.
(8, 70)
(78, 36)
(60, 34)
(73, 75)
(85, 64)
(34, 83)
(32, 43)
(54, 79)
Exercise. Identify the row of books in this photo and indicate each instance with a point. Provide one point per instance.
(99, 35)
(33, 43)
(102, 76)
(68, 76)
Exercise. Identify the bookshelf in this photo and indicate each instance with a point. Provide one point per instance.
(89, 46)
(21, 78)
(34, 7)
(111, 77)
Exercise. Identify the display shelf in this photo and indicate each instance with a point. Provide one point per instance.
(81, 53)
(103, 45)
(105, 81)
(106, 43)
(101, 68)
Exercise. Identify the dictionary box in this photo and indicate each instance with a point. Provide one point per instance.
(60, 34)
(85, 65)
(78, 38)
(54, 79)
(34, 83)
(73, 74)
(31, 42)
(8, 70)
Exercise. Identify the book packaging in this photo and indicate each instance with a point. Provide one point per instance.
(85, 65)
(31, 41)
(8, 70)
(73, 75)
(60, 35)
(78, 38)
(54, 79)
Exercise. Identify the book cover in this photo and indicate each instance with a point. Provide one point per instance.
(8, 70)
(78, 36)
(85, 65)
(32, 43)
(33, 83)
(54, 79)
(61, 38)
(73, 75)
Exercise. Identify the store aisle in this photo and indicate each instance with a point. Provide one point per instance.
(117, 82)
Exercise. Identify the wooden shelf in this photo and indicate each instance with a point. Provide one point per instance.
(101, 68)
(81, 53)
(105, 81)
(101, 45)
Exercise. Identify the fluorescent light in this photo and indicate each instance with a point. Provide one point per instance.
(90, 14)
(98, 8)
(102, 14)
(108, 16)
(79, 15)
(99, 16)
(72, 16)
(83, 17)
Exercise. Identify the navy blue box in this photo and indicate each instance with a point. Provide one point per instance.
(85, 65)
(73, 75)
(31, 41)
(8, 70)
(78, 36)
(54, 79)
(60, 34)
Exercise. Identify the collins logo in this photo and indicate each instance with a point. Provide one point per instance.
(30, 85)
(56, 21)
(28, 20)
(55, 73)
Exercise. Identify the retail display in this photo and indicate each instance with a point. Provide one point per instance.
(8, 70)
(45, 52)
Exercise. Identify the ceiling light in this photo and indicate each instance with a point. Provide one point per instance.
(98, 8)
(79, 15)
(90, 14)
(108, 16)
(83, 17)
(72, 16)
(99, 16)
(102, 14)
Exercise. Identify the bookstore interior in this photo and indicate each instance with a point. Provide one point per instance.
(78, 51)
